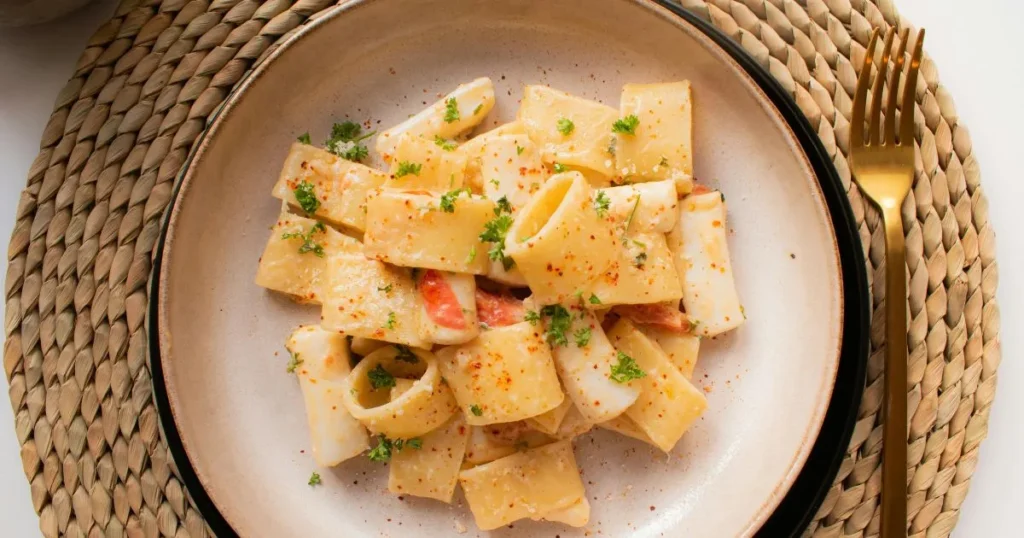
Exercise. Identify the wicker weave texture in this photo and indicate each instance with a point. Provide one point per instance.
(143, 91)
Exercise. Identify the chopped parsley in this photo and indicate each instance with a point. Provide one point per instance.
(386, 447)
(566, 126)
(475, 409)
(502, 205)
(478, 109)
(626, 125)
(385, 289)
(640, 259)
(380, 378)
(519, 150)
(345, 141)
(314, 479)
(445, 144)
(448, 199)
(496, 183)
(472, 254)
(594, 299)
(495, 231)
(582, 337)
(611, 146)
(602, 203)
(559, 168)
(304, 138)
(308, 245)
(405, 354)
(306, 196)
(451, 110)
(664, 161)
(381, 452)
(722, 195)
(294, 363)
(392, 321)
(532, 316)
(559, 321)
(626, 369)
(405, 168)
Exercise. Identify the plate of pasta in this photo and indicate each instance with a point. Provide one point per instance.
(510, 269)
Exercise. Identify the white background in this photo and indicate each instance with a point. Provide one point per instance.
(970, 45)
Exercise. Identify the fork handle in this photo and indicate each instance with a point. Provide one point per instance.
(894, 455)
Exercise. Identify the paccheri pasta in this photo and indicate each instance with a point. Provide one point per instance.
(588, 212)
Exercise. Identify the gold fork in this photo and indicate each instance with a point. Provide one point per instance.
(883, 165)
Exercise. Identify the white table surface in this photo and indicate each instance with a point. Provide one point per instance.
(967, 43)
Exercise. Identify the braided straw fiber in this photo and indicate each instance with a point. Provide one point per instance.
(141, 94)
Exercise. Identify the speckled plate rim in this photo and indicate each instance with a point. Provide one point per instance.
(795, 511)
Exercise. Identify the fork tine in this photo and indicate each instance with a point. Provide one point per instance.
(894, 90)
(860, 96)
(910, 93)
(875, 127)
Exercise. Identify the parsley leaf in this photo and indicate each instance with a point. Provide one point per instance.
(392, 321)
(532, 316)
(626, 369)
(566, 126)
(380, 378)
(405, 354)
(405, 168)
(448, 199)
(314, 479)
(611, 146)
(294, 363)
(594, 299)
(385, 289)
(640, 259)
(416, 443)
(475, 409)
(494, 232)
(626, 125)
(472, 254)
(447, 145)
(345, 141)
(664, 161)
(496, 183)
(502, 206)
(304, 138)
(519, 150)
(602, 203)
(306, 196)
(559, 168)
(381, 452)
(558, 323)
(451, 110)
(582, 337)
(308, 245)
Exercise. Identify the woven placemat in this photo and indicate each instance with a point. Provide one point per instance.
(142, 92)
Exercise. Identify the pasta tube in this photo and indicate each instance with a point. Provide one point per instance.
(322, 363)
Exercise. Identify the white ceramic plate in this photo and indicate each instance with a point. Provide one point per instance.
(240, 417)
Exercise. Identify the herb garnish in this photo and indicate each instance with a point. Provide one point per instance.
(445, 144)
(294, 363)
(626, 369)
(380, 378)
(308, 245)
(566, 126)
(451, 110)
(559, 321)
(405, 168)
(626, 125)
(602, 203)
(345, 141)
